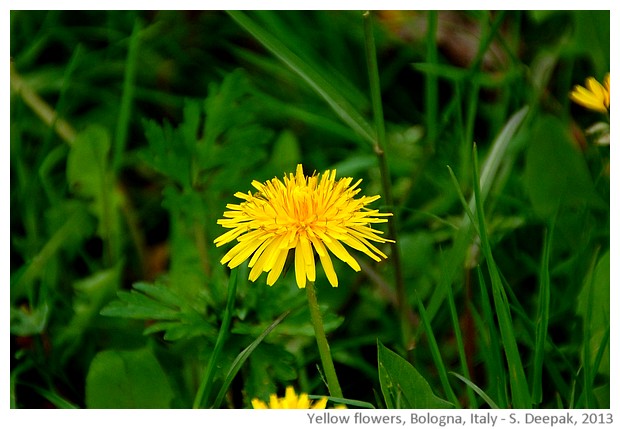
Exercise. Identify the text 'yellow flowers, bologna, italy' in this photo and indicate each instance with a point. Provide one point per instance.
(300, 213)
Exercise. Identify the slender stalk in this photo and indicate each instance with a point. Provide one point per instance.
(542, 320)
(379, 148)
(460, 345)
(122, 126)
(518, 382)
(321, 341)
(431, 87)
(43, 110)
(207, 380)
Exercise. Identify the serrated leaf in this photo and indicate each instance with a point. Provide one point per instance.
(167, 152)
(130, 309)
(222, 106)
(269, 365)
(402, 385)
(127, 379)
(170, 311)
(161, 294)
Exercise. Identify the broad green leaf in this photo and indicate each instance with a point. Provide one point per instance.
(592, 37)
(89, 177)
(556, 174)
(87, 162)
(402, 385)
(127, 379)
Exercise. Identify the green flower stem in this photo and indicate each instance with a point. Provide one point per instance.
(321, 341)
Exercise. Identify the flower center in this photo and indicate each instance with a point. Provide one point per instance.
(302, 212)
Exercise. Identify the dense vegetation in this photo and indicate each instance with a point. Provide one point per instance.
(131, 131)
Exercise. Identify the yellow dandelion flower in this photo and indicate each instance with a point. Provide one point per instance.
(301, 213)
(594, 96)
(290, 401)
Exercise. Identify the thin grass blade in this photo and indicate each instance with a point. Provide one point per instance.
(439, 364)
(462, 241)
(207, 380)
(458, 335)
(518, 382)
(242, 357)
(476, 389)
(542, 322)
(326, 90)
(495, 363)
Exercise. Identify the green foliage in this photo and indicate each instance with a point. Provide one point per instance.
(132, 131)
(402, 385)
(127, 379)
(594, 307)
(556, 175)
(89, 177)
(91, 293)
(165, 310)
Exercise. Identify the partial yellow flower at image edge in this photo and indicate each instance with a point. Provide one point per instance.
(301, 213)
(593, 96)
(290, 401)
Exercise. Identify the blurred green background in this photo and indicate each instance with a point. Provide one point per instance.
(131, 131)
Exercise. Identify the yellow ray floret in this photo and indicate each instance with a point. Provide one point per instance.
(290, 401)
(305, 214)
(593, 96)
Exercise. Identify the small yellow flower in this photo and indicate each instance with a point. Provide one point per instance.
(290, 401)
(300, 213)
(595, 96)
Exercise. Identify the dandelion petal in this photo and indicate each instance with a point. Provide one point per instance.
(302, 214)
